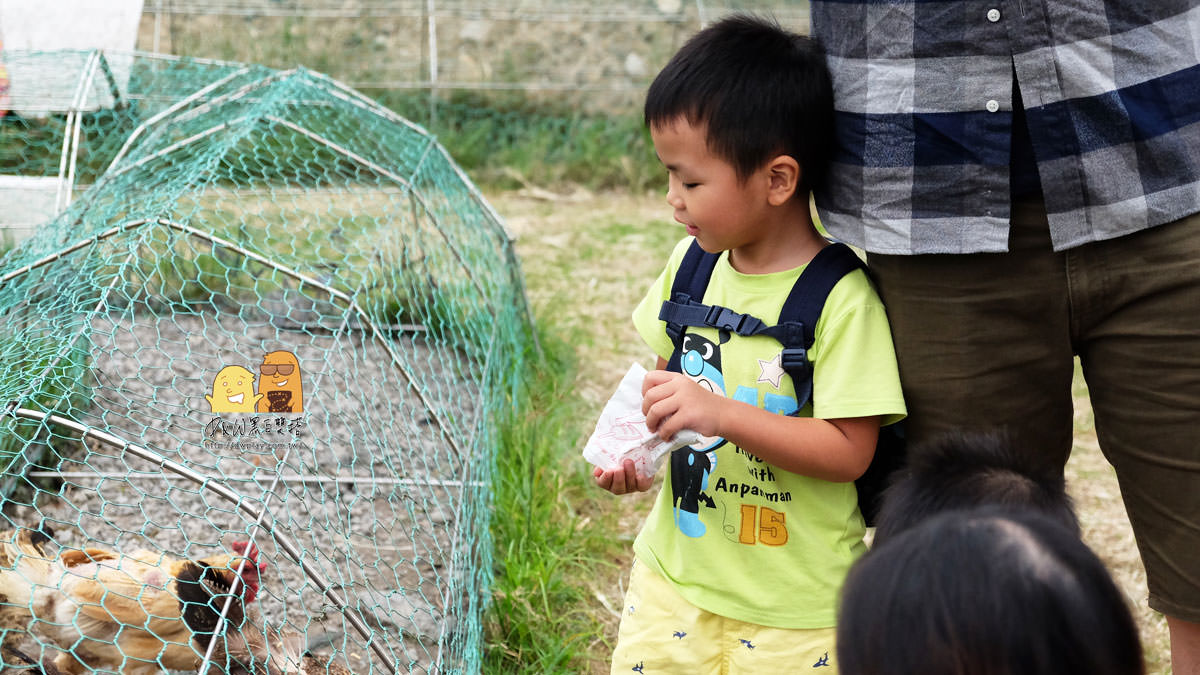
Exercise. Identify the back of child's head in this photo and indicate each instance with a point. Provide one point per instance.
(761, 92)
(957, 470)
(989, 591)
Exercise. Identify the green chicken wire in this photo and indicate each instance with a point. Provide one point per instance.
(242, 226)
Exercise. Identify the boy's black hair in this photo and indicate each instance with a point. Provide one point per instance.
(958, 470)
(762, 91)
(988, 591)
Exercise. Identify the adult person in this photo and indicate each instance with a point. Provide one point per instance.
(1025, 176)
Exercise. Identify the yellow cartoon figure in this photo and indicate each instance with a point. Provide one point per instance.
(280, 383)
(233, 391)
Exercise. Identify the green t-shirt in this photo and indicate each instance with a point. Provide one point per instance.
(735, 535)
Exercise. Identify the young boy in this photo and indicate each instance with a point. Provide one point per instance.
(740, 561)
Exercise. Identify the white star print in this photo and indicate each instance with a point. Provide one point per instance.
(772, 371)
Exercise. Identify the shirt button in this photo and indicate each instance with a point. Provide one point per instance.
(993, 15)
(992, 105)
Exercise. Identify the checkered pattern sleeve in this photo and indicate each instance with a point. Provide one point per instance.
(924, 94)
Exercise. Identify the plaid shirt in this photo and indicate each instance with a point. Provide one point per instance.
(924, 93)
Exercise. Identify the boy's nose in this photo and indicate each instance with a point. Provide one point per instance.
(673, 199)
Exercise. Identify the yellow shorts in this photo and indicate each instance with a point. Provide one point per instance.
(663, 633)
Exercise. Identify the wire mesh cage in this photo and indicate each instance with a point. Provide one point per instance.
(253, 376)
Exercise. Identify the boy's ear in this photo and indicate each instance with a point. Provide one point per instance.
(783, 175)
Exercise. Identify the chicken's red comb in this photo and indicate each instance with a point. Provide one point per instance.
(249, 574)
(249, 550)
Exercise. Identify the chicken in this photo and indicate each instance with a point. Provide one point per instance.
(312, 665)
(137, 613)
(248, 646)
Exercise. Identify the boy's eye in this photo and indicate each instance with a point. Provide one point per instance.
(689, 186)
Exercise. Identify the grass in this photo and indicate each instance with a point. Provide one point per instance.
(502, 142)
(539, 619)
(506, 141)
(49, 381)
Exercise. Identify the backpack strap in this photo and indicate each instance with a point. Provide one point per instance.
(686, 305)
(796, 329)
(797, 318)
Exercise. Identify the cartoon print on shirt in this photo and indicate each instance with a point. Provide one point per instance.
(700, 359)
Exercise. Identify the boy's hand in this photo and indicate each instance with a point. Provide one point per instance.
(623, 480)
(674, 401)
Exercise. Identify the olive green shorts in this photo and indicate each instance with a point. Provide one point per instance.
(988, 340)
(663, 633)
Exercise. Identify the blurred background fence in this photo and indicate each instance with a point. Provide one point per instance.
(540, 91)
(601, 54)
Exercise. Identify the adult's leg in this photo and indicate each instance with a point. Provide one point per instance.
(1185, 646)
(1137, 302)
(983, 340)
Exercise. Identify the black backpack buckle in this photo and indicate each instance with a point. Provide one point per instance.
(795, 360)
(724, 318)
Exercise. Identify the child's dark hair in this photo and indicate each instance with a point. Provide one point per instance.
(761, 91)
(988, 591)
(958, 470)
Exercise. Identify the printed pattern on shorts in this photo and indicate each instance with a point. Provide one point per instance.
(661, 632)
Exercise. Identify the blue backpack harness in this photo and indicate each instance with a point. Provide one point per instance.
(795, 330)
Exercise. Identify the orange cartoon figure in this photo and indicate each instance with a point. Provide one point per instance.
(280, 384)
(233, 391)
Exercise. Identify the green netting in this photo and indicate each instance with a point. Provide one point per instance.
(222, 214)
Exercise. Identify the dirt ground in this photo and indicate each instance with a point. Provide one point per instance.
(588, 258)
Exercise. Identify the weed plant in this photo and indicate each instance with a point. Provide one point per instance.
(50, 381)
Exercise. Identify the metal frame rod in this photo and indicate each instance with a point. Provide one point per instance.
(68, 130)
(286, 478)
(349, 154)
(75, 134)
(168, 111)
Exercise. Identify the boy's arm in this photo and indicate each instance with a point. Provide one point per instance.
(837, 450)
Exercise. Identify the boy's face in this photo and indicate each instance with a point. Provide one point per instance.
(719, 210)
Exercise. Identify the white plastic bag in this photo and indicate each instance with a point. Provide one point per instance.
(621, 431)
